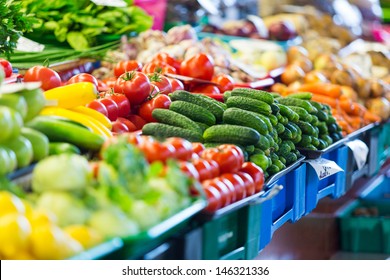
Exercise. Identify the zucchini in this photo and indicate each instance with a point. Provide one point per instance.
(288, 113)
(193, 111)
(301, 95)
(307, 128)
(254, 94)
(161, 130)
(234, 134)
(200, 100)
(175, 119)
(249, 104)
(245, 118)
(298, 103)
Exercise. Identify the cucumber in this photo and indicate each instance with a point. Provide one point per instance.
(299, 103)
(227, 95)
(290, 143)
(302, 113)
(274, 157)
(250, 149)
(161, 130)
(234, 134)
(273, 119)
(254, 94)
(306, 140)
(212, 100)
(202, 126)
(293, 129)
(57, 148)
(260, 160)
(311, 147)
(288, 113)
(279, 164)
(317, 105)
(175, 119)
(249, 104)
(315, 141)
(280, 140)
(323, 128)
(296, 127)
(271, 140)
(263, 143)
(241, 117)
(266, 121)
(297, 139)
(280, 128)
(307, 128)
(284, 149)
(332, 128)
(287, 134)
(336, 136)
(301, 95)
(322, 116)
(275, 95)
(60, 131)
(273, 169)
(284, 120)
(193, 111)
(327, 139)
(274, 108)
(39, 142)
(322, 144)
(291, 158)
(331, 120)
(314, 120)
(283, 160)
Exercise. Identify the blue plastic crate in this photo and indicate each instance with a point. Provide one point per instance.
(333, 186)
(379, 190)
(286, 206)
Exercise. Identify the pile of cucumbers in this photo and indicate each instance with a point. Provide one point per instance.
(268, 128)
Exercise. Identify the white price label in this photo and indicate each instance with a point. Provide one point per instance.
(27, 45)
(360, 152)
(111, 3)
(324, 168)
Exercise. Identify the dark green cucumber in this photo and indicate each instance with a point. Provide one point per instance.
(314, 120)
(284, 149)
(273, 169)
(301, 95)
(288, 113)
(291, 158)
(266, 120)
(323, 128)
(274, 108)
(306, 128)
(202, 126)
(298, 103)
(254, 94)
(175, 119)
(287, 134)
(327, 139)
(160, 130)
(227, 95)
(234, 134)
(331, 120)
(271, 140)
(322, 144)
(315, 141)
(60, 131)
(283, 160)
(302, 113)
(205, 102)
(245, 118)
(263, 143)
(193, 111)
(332, 128)
(305, 141)
(249, 104)
(212, 100)
(273, 119)
(280, 128)
(297, 139)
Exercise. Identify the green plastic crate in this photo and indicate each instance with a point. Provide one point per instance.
(365, 234)
(384, 144)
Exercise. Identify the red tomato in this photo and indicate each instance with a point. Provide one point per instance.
(225, 82)
(112, 108)
(7, 66)
(167, 59)
(205, 88)
(83, 77)
(197, 148)
(231, 187)
(176, 84)
(214, 199)
(130, 126)
(238, 183)
(228, 159)
(110, 82)
(256, 173)
(226, 197)
(160, 101)
(159, 67)
(154, 89)
(126, 66)
(98, 106)
(214, 168)
(204, 169)
(137, 121)
(237, 149)
(189, 169)
(48, 77)
(119, 127)
(156, 151)
(249, 183)
(162, 83)
(135, 85)
(199, 66)
(183, 148)
(102, 86)
(124, 108)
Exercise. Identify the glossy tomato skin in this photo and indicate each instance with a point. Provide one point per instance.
(98, 106)
(189, 169)
(159, 67)
(204, 169)
(160, 101)
(256, 173)
(161, 82)
(119, 127)
(48, 77)
(124, 107)
(83, 77)
(199, 66)
(112, 108)
(126, 66)
(231, 187)
(135, 85)
(214, 199)
(110, 82)
(137, 121)
(156, 151)
(198, 148)
(130, 126)
(226, 196)
(225, 82)
(167, 59)
(7, 66)
(205, 88)
(238, 183)
(183, 148)
(248, 182)
(228, 159)
(214, 168)
(239, 152)
(176, 84)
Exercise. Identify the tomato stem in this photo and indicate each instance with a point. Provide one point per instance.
(128, 76)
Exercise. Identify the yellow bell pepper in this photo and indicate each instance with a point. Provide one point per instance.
(72, 95)
(94, 114)
(85, 120)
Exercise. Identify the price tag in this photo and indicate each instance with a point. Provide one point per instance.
(324, 168)
(27, 45)
(110, 3)
(360, 152)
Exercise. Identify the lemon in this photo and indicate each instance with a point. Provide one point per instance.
(40, 217)
(27, 207)
(49, 242)
(22, 255)
(88, 237)
(15, 231)
(10, 204)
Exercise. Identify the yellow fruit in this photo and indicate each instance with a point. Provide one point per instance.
(49, 242)
(88, 237)
(28, 208)
(10, 203)
(40, 217)
(15, 232)
(22, 255)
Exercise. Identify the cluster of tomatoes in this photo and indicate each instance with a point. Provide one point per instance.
(7, 67)
(222, 172)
